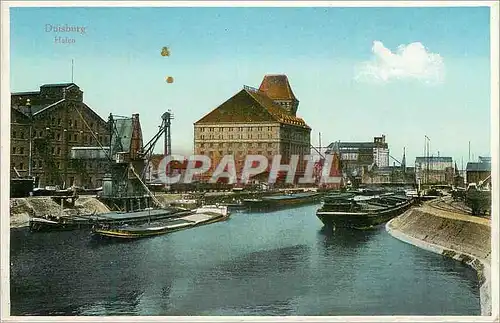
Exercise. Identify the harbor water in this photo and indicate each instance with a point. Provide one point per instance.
(277, 263)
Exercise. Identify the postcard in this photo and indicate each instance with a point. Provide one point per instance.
(220, 161)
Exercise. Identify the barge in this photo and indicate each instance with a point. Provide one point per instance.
(201, 216)
(285, 200)
(362, 212)
(74, 222)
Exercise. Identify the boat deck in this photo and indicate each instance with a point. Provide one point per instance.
(289, 197)
(117, 216)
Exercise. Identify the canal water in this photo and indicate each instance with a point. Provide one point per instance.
(277, 263)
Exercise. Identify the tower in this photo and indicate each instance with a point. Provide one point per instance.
(278, 89)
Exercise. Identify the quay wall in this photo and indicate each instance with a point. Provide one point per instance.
(22, 208)
(463, 238)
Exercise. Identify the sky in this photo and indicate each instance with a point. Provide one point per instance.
(406, 73)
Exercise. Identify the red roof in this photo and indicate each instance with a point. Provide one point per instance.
(277, 87)
(250, 106)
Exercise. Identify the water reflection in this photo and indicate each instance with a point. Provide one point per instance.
(255, 264)
(345, 238)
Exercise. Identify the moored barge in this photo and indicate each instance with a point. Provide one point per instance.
(362, 212)
(201, 216)
(285, 200)
(66, 223)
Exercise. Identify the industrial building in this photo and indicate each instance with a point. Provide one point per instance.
(357, 157)
(45, 126)
(259, 121)
(479, 171)
(434, 170)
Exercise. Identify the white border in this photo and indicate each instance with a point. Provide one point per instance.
(5, 162)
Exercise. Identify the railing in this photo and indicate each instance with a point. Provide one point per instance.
(249, 88)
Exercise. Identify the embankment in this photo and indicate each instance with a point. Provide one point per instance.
(22, 208)
(461, 237)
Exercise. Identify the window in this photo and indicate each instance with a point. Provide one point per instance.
(21, 166)
(53, 150)
(13, 134)
(76, 123)
(13, 150)
(75, 136)
(58, 150)
(58, 136)
(59, 121)
(40, 134)
(21, 150)
(70, 123)
(22, 135)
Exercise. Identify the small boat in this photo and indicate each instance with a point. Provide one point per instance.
(185, 203)
(202, 216)
(362, 212)
(285, 200)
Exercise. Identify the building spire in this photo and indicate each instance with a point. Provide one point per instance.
(403, 162)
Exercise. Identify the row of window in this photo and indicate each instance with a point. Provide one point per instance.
(237, 136)
(228, 129)
(39, 164)
(240, 153)
(71, 123)
(57, 136)
(221, 153)
(240, 145)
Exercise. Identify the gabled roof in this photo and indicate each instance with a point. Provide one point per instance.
(277, 87)
(39, 109)
(250, 106)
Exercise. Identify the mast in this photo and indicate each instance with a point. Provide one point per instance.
(469, 151)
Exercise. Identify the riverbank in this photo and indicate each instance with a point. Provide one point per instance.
(22, 208)
(461, 237)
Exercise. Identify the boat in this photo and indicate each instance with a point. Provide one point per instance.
(64, 222)
(362, 212)
(201, 216)
(185, 203)
(283, 200)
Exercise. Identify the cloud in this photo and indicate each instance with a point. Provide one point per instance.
(412, 61)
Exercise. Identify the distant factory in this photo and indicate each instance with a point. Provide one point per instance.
(434, 170)
(368, 162)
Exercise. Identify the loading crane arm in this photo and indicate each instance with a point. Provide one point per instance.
(147, 149)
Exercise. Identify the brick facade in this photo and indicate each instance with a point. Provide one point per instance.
(58, 120)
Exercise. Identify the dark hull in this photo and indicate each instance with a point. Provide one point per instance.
(67, 224)
(21, 187)
(361, 220)
(272, 204)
